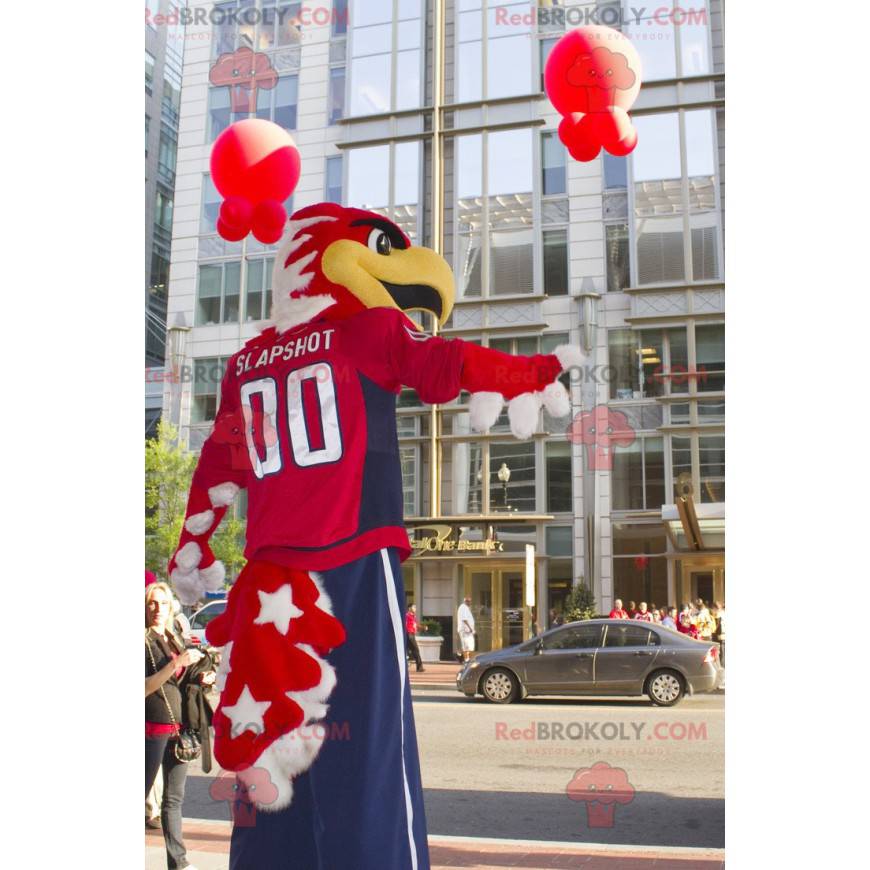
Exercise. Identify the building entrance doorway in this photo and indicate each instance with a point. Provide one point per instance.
(497, 602)
(700, 577)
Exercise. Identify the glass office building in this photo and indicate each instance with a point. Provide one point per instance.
(432, 112)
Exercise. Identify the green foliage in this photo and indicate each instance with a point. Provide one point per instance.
(169, 468)
(580, 603)
(228, 545)
(433, 628)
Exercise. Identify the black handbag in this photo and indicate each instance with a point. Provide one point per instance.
(187, 746)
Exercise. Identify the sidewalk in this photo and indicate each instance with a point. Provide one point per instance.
(208, 845)
(439, 675)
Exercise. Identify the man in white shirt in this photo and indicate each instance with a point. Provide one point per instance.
(465, 627)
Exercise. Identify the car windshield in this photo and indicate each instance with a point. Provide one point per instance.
(207, 614)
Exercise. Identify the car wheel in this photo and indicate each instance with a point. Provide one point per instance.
(665, 688)
(500, 686)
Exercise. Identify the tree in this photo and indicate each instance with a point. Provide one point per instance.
(228, 545)
(580, 603)
(169, 468)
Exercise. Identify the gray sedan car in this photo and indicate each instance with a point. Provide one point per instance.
(597, 657)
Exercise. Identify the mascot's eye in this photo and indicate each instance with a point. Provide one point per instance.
(380, 242)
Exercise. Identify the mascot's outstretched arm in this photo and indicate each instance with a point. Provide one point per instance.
(219, 475)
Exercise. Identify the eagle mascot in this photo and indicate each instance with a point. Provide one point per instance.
(314, 691)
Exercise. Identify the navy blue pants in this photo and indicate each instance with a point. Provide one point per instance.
(360, 805)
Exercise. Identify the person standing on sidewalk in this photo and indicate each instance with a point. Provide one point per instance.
(465, 627)
(618, 612)
(411, 631)
(166, 660)
(643, 614)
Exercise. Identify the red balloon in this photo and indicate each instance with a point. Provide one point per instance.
(268, 221)
(255, 166)
(592, 78)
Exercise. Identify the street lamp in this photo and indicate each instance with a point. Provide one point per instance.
(504, 475)
(177, 352)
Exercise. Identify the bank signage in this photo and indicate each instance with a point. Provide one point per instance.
(446, 539)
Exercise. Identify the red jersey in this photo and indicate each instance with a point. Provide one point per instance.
(410, 623)
(618, 614)
(644, 617)
(307, 424)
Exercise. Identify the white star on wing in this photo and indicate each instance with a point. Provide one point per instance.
(247, 713)
(277, 608)
(224, 667)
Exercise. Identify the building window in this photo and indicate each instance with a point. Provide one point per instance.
(285, 104)
(711, 463)
(640, 571)
(615, 171)
(503, 48)
(710, 352)
(559, 540)
(511, 237)
(276, 25)
(555, 262)
(147, 131)
(211, 203)
(681, 457)
(207, 376)
(498, 219)
(217, 294)
(171, 101)
(638, 478)
(374, 33)
(617, 257)
(163, 210)
(278, 104)
(339, 17)
(336, 94)
(166, 152)
(258, 288)
(149, 73)
(519, 494)
(552, 164)
(558, 462)
(640, 364)
(408, 458)
(334, 168)
(368, 175)
(675, 209)
(545, 46)
(655, 36)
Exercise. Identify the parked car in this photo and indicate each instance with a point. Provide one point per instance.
(202, 617)
(596, 657)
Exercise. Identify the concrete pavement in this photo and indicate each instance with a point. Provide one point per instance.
(495, 783)
(208, 849)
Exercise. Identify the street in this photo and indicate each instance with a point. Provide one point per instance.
(501, 771)
(485, 776)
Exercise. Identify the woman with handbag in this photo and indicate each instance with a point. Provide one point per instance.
(167, 744)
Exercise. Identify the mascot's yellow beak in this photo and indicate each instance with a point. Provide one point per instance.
(382, 275)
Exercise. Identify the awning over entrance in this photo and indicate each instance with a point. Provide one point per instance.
(695, 528)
